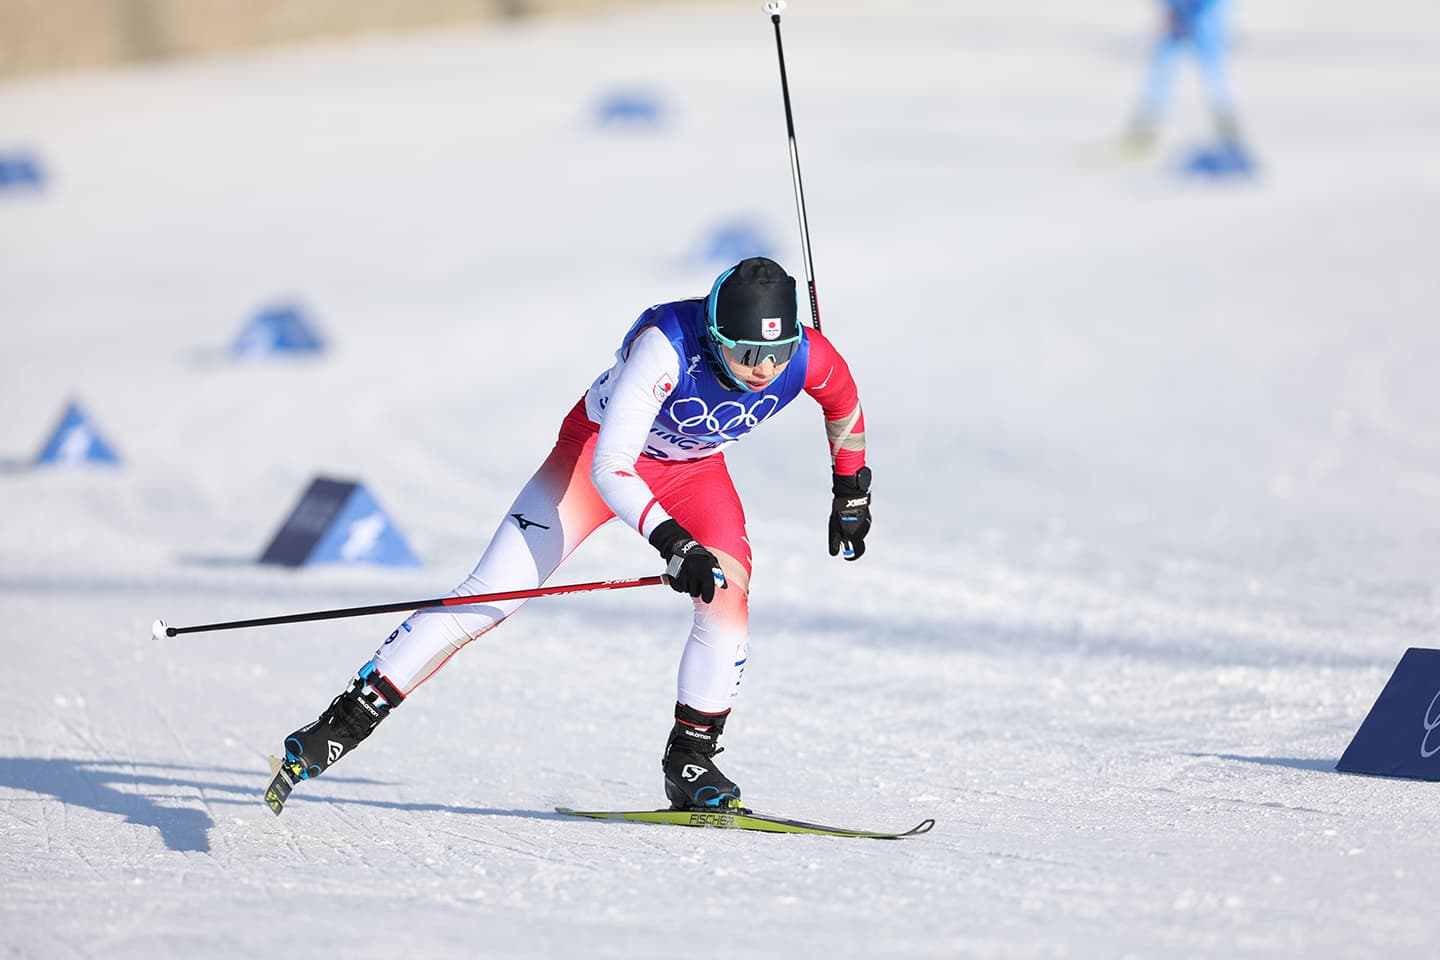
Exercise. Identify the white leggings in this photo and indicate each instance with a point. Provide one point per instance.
(554, 513)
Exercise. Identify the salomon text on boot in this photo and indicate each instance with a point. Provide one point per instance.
(350, 718)
(692, 781)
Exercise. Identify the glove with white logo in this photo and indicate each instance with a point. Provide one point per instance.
(691, 568)
(850, 514)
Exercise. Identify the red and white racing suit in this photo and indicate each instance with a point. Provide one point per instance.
(644, 444)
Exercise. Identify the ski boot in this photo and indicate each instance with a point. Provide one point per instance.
(350, 718)
(692, 781)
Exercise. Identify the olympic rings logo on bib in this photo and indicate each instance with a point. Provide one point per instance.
(729, 420)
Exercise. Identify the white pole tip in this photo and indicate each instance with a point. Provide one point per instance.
(157, 629)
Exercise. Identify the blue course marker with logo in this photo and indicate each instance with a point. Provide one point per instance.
(338, 521)
(1401, 735)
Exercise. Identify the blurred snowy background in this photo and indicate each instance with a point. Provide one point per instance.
(1157, 462)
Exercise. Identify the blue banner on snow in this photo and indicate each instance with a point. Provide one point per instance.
(1401, 735)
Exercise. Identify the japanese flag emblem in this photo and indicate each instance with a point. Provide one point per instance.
(770, 328)
(663, 386)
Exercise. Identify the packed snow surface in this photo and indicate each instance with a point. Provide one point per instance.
(1157, 488)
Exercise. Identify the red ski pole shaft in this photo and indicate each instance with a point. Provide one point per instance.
(160, 628)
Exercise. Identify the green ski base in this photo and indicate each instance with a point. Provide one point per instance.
(742, 820)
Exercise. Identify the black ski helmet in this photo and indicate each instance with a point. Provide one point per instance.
(752, 310)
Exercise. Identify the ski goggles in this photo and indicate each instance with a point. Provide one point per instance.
(747, 353)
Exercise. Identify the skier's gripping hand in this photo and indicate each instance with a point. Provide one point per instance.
(691, 568)
(850, 514)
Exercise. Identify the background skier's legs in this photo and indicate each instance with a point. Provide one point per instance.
(1210, 54)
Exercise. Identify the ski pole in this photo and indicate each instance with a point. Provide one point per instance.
(159, 629)
(773, 7)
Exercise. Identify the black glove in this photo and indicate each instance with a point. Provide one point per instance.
(850, 514)
(692, 569)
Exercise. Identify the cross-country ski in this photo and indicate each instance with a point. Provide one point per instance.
(742, 819)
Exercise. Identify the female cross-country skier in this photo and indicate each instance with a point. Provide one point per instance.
(645, 445)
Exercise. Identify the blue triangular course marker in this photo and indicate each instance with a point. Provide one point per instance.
(630, 109)
(20, 171)
(75, 440)
(278, 329)
(363, 533)
(338, 521)
(1400, 737)
(729, 243)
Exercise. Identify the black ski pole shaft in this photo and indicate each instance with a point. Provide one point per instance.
(773, 7)
(161, 629)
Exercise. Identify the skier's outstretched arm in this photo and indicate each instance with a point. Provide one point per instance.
(829, 381)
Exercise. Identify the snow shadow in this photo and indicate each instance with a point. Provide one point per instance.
(93, 784)
(1295, 763)
(162, 801)
(217, 560)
